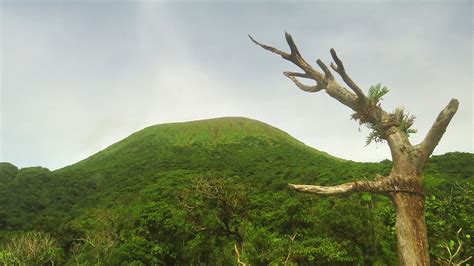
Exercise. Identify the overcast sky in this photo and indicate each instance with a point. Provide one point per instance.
(77, 76)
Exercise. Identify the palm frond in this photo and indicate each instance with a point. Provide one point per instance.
(376, 92)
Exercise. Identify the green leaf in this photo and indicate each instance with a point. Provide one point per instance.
(376, 92)
(366, 197)
(451, 244)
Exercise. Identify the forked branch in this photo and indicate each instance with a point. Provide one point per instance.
(339, 68)
(237, 253)
(324, 80)
(294, 57)
(437, 130)
(303, 87)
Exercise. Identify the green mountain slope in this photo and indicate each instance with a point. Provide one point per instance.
(167, 143)
(186, 193)
(223, 146)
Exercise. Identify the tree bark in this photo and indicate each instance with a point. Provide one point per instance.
(412, 240)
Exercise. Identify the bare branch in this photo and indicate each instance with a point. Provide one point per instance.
(459, 243)
(450, 260)
(300, 85)
(339, 68)
(237, 253)
(465, 260)
(288, 256)
(271, 49)
(324, 81)
(291, 43)
(432, 138)
(357, 186)
(380, 185)
(297, 74)
(325, 69)
(295, 57)
(449, 252)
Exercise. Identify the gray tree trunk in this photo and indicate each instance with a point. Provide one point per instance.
(412, 240)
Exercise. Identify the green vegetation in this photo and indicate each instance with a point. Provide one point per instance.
(398, 117)
(210, 192)
(30, 248)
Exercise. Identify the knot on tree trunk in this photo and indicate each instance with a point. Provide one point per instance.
(404, 185)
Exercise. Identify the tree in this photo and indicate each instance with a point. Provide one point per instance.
(100, 237)
(229, 203)
(404, 183)
(30, 248)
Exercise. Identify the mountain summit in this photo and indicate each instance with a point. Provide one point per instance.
(167, 143)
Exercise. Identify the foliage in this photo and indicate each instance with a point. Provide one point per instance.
(376, 92)
(371, 109)
(97, 233)
(448, 209)
(7, 172)
(228, 197)
(374, 136)
(30, 248)
(403, 120)
(454, 250)
(187, 193)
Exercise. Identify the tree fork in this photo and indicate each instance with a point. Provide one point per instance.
(403, 185)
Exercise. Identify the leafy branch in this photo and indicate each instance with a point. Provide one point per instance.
(366, 115)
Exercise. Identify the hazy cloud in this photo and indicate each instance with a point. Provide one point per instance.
(79, 76)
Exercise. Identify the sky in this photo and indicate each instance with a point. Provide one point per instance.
(78, 76)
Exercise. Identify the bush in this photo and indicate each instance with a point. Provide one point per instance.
(30, 248)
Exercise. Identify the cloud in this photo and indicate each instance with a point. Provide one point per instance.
(79, 77)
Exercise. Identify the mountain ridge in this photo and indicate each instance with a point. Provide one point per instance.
(210, 131)
(213, 131)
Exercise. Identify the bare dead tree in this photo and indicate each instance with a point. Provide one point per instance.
(453, 257)
(288, 256)
(404, 183)
(237, 254)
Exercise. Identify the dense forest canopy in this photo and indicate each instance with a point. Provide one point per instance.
(191, 193)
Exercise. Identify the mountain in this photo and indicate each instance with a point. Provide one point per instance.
(185, 193)
(159, 145)
(229, 146)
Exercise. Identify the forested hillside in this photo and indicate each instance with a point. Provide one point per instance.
(215, 192)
